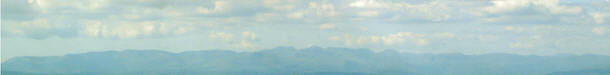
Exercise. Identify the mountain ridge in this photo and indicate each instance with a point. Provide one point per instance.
(289, 60)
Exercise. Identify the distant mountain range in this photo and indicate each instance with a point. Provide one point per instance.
(308, 61)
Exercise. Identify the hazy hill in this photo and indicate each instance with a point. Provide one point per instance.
(315, 60)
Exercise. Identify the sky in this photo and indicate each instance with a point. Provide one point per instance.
(523, 27)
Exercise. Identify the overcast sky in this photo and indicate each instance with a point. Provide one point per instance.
(524, 27)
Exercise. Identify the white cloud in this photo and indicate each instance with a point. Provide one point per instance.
(246, 42)
(506, 5)
(365, 3)
(396, 38)
(168, 29)
(245, 45)
(334, 38)
(514, 29)
(248, 35)
(368, 13)
(390, 39)
(135, 19)
(600, 18)
(554, 7)
(221, 36)
(38, 23)
(327, 26)
(322, 9)
(281, 5)
(40, 28)
(434, 11)
(295, 15)
(531, 12)
(92, 29)
(447, 35)
(538, 29)
(420, 42)
(600, 30)
(128, 30)
(551, 6)
(521, 45)
(131, 30)
(509, 28)
(408, 38)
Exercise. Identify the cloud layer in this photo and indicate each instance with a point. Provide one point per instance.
(430, 26)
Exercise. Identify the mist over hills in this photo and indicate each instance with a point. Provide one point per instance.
(314, 60)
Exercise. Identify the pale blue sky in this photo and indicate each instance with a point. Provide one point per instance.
(525, 27)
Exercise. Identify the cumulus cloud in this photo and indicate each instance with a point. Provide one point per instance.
(400, 40)
(38, 29)
(550, 6)
(334, 38)
(247, 40)
(368, 13)
(514, 28)
(416, 24)
(327, 26)
(323, 9)
(123, 30)
(536, 29)
(248, 35)
(600, 30)
(531, 12)
(130, 30)
(112, 13)
(221, 36)
(600, 18)
(521, 45)
(435, 11)
(390, 39)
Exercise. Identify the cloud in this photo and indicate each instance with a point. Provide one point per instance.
(521, 45)
(448, 35)
(600, 30)
(600, 18)
(547, 6)
(435, 11)
(334, 38)
(221, 36)
(401, 24)
(128, 19)
(245, 45)
(37, 29)
(295, 15)
(402, 36)
(368, 13)
(327, 26)
(390, 39)
(365, 3)
(535, 29)
(529, 12)
(248, 35)
(247, 40)
(322, 9)
(132, 30)
(122, 30)
(514, 28)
